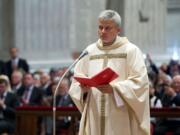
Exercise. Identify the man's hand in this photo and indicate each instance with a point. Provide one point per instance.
(170, 91)
(85, 88)
(2, 105)
(105, 88)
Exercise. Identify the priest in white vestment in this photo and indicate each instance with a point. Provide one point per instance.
(121, 107)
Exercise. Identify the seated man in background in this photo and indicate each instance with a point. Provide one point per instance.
(172, 97)
(62, 100)
(17, 83)
(176, 93)
(46, 84)
(172, 93)
(31, 95)
(8, 103)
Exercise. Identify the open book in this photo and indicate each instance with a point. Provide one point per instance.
(103, 77)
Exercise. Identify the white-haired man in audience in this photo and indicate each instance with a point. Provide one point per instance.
(172, 94)
(46, 84)
(17, 82)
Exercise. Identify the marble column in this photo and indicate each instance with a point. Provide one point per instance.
(48, 31)
(6, 27)
(144, 23)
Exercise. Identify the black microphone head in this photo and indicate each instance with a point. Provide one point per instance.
(84, 53)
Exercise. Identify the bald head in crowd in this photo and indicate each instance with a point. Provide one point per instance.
(45, 78)
(16, 77)
(176, 83)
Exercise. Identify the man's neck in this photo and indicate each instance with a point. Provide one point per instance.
(18, 85)
(13, 58)
(110, 43)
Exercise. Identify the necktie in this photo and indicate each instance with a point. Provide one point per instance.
(2, 96)
(25, 96)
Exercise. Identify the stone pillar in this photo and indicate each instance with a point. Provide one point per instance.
(118, 6)
(48, 31)
(6, 27)
(144, 23)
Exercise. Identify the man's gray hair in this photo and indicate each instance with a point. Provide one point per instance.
(111, 15)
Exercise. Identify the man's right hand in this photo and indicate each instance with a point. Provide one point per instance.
(85, 88)
(170, 91)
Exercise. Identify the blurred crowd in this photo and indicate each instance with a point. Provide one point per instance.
(20, 87)
(164, 88)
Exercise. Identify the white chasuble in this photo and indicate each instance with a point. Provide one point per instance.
(126, 110)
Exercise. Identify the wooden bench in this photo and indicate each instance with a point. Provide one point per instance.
(26, 117)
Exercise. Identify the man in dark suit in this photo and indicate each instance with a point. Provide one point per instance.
(17, 83)
(2, 68)
(172, 93)
(46, 84)
(31, 95)
(63, 100)
(171, 99)
(16, 63)
(8, 103)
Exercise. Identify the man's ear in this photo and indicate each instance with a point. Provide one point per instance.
(119, 30)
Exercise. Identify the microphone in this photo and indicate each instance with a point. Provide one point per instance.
(84, 53)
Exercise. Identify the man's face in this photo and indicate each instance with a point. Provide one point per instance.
(44, 79)
(107, 31)
(16, 78)
(28, 80)
(14, 52)
(63, 87)
(2, 87)
(176, 83)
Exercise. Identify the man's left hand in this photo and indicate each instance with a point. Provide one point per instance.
(105, 88)
(2, 105)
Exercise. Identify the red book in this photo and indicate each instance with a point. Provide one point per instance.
(101, 78)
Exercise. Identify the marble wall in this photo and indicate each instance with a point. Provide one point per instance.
(173, 31)
(6, 27)
(48, 31)
(145, 24)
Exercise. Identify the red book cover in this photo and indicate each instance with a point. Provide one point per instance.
(101, 78)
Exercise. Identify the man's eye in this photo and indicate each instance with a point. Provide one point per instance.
(104, 28)
(108, 28)
(100, 27)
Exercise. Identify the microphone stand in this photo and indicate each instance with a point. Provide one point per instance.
(54, 96)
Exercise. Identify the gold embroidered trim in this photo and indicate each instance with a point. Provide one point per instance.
(108, 47)
(102, 114)
(85, 117)
(118, 42)
(100, 56)
(102, 125)
(109, 56)
(105, 61)
(118, 55)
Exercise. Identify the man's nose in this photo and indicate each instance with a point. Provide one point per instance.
(103, 30)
